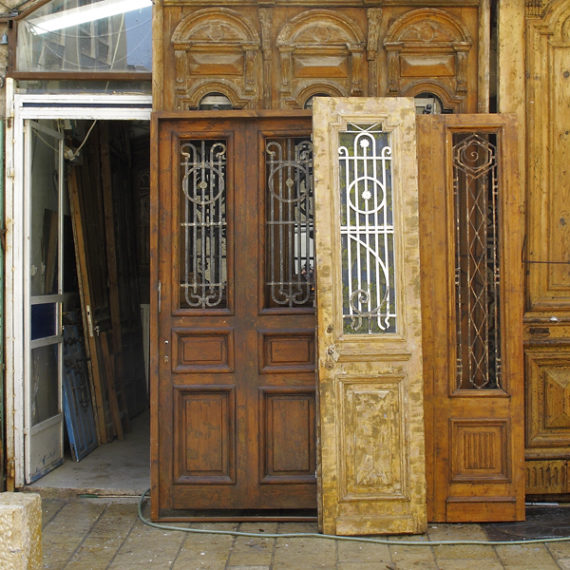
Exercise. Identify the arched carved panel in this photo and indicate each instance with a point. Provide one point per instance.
(216, 46)
(320, 47)
(429, 45)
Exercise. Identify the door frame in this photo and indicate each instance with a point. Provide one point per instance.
(19, 108)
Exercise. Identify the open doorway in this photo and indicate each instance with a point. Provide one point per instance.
(91, 250)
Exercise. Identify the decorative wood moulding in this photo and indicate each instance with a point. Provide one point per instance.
(428, 43)
(323, 48)
(278, 55)
(534, 8)
(548, 53)
(216, 44)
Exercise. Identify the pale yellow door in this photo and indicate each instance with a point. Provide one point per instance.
(371, 431)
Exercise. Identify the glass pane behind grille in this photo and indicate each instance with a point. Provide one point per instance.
(477, 274)
(203, 235)
(367, 231)
(289, 222)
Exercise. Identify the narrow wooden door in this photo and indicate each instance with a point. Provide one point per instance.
(471, 229)
(233, 410)
(371, 433)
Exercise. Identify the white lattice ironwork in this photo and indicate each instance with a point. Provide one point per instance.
(203, 224)
(367, 230)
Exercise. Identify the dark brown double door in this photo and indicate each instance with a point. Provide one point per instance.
(234, 405)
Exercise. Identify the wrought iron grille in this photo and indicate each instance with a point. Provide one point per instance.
(367, 230)
(477, 269)
(203, 224)
(289, 222)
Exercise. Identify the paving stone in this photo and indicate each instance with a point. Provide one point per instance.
(526, 556)
(564, 563)
(251, 551)
(412, 556)
(76, 518)
(298, 527)
(212, 559)
(304, 553)
(465, 551)
(559, 549)
(456, 531)
(469, 564)
(148, 547)
(379, 565)
(50, 508)
(349, 551)
(105, 538)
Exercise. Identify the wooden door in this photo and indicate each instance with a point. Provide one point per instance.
(471, 230)
(88, 184)
(371, 433)
(233, 409)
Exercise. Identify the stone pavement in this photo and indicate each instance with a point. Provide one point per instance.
(93, 533)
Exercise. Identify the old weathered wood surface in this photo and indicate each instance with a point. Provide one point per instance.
(474, 435)
(235, 393)
(371, 428)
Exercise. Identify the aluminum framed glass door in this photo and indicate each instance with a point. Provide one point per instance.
(43, 292)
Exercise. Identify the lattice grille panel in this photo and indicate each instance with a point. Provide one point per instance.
(203, 282)
(289, 220)
(367, 230)
(477, 268)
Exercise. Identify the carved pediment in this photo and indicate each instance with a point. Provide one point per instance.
(427, 31)
(221, 27)
(320, 27)
(427, 26)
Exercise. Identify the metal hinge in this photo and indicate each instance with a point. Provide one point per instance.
(89, 320)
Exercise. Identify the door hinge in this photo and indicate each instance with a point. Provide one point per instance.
(89, 320)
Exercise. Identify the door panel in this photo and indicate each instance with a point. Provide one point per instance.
(371, 431)
(235, 397)
(470, 204)
(546, 321)
(44, 297)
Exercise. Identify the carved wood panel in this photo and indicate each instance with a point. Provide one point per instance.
(548, 400)
(548, 91)
(430, 47)
(547, 254)
(280, 55)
